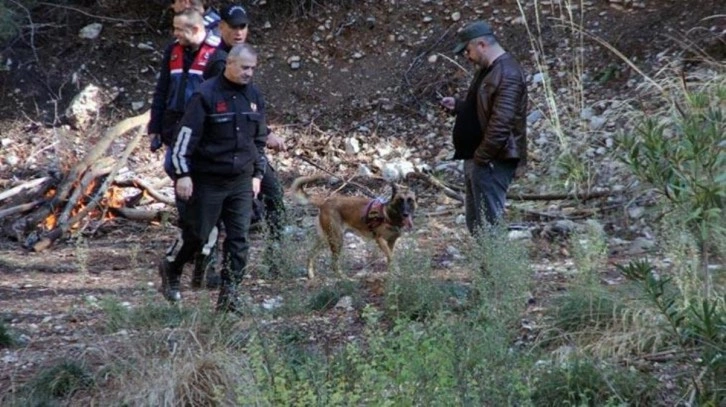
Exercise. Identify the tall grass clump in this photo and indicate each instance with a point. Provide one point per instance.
(53, 385)
(561, 73)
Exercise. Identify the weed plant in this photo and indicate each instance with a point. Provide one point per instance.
(6, 339)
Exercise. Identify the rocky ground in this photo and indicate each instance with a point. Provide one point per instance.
(353, 89)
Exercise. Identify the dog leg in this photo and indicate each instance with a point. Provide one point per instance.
(387, 248)
(319, 243)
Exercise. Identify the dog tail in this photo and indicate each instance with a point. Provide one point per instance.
(299, 193)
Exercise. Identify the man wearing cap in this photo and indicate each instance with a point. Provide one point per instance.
(490, 132)
(234, 28)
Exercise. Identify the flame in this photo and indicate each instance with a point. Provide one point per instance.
(112, 198)
(50, 221)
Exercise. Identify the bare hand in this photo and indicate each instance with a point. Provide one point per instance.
(448, 102)
(275, 143)
(184, 188)
(256, 186)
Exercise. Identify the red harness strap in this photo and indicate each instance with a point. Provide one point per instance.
(374, 214)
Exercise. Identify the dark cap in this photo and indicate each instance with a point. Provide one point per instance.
(474, 30)
(235, 15)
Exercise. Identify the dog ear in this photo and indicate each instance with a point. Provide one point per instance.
(394, 190)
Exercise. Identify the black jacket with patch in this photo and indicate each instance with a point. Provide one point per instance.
(223, 131)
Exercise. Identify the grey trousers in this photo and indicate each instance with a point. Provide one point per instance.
(486, 191)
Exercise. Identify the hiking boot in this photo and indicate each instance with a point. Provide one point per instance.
(169, 282)
(204, 267)
(228, 301)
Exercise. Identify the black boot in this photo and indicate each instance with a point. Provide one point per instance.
(169, 281)
(228, 300)
(204, 271)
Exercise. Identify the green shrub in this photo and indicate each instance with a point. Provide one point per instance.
(411, 292)
(581, 382)
(6, 340)
(680, 152)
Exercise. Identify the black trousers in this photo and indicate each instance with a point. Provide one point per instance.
(271, 194)
(214, 199)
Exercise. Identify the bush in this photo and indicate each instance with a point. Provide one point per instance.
(6, 340)
(580, 382)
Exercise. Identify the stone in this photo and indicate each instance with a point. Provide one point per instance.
(345, 303)
(636, 212)
(597, 122)
(352, 145)
(91, 31)
(83, 109)
(455, 16)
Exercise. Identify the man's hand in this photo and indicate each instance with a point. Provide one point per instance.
(184, 188)
(256, 186)
(275, 143)
(448, 102)
(155, 142)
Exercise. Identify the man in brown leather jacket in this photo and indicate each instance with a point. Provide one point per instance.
(490, 133)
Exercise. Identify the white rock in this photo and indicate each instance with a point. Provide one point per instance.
(433, 58)
(455, 16)
(537, 78)
(146, 46)
(636, 212)
(460, 220)
(137, 105)
(519, 234)
(587, 113)
(517, 20)
(358, 55)
(272, 303)
(345, 303)
(12, 160)
(6, 142)
(352, 145)
(91, 31)
(364, 171)
(84, 107)
(427, 19)
(597, 122)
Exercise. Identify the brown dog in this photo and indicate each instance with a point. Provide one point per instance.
(369, 218)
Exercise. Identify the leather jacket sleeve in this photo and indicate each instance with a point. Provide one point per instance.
(501, 93)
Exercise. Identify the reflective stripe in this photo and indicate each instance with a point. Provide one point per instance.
(180, 148)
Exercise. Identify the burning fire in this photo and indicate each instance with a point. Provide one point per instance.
(112, 198)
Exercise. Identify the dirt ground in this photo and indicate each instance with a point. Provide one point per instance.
(359, 60)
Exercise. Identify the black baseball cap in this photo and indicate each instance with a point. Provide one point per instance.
(235, 15)
(474, 30)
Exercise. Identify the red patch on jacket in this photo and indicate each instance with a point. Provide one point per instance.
(221, 107)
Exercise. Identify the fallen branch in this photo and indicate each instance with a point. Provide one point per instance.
(138, 215)
(20, 208)
(145, 187)
(580, 195)
(435, 182)
(30, 186)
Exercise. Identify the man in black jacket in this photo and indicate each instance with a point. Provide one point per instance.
(234, 29)
(219, 162)
(490, 132)
(182, 67)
